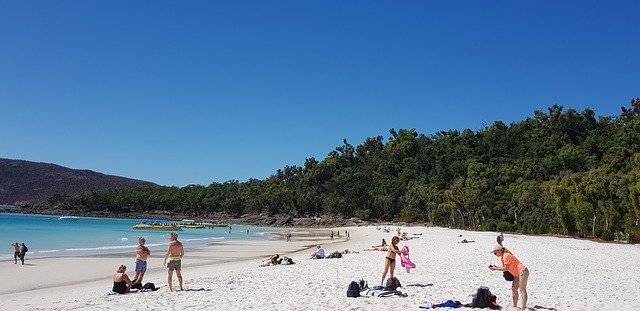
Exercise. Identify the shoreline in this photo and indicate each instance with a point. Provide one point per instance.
(199, 257)
(216, 279)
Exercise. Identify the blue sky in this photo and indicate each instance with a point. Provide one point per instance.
(201, 91)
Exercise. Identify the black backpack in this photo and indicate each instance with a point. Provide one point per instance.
(25, 249)
(353, 290)
(507, 276)
(392, 284)
(149, 286)
(483, 298)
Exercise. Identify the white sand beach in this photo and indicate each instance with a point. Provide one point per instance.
(566, 274)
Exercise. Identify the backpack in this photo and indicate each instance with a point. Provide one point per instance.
(392, 284)
(337, 255)
(149, 286)
(483, 298)
(508, 276)
(353, 290)
(25, 249)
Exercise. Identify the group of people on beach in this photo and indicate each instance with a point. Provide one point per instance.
(19, 251)
(513, 270)
(172, 260)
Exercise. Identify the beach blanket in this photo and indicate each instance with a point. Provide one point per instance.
(446, 304)
(405, 261)
(379, 291)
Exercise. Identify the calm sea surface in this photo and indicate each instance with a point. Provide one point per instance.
(50, 236)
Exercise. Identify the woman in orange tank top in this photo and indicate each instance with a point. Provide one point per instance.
(520, 274)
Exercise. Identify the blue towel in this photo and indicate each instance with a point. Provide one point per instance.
(446, 304)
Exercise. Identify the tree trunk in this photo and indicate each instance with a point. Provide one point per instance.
(593, 226)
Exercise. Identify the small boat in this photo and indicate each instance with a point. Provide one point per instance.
(192, 226)
(148, 227)
(68, 218)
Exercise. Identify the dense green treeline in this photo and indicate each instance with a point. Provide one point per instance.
(560, 171)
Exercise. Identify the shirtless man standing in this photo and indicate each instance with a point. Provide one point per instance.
(173, 259)
(142, 253)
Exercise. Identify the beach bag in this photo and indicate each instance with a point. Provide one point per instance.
(337, 255)
(392, 284)
(482, 298)
(353, 290)
(149, 286)
(507, 276)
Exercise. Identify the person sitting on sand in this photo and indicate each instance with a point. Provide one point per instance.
(173, 259)
(121, 282)
(142, 253)
(390, 259)
(318, 254)
(519, 271)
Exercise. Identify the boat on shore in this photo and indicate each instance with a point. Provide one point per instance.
(156, 227)
(72, 218)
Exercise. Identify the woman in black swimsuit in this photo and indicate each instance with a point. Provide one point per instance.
(121, 281)
(390, 259)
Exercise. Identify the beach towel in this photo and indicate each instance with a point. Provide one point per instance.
(446, 304)
(379, 291)
(405, 261)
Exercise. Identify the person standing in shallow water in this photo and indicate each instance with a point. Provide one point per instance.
(173, 260)
(16, 252)
(520, 274)
(23, 252)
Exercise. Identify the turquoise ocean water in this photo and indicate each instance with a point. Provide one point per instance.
(50, 236)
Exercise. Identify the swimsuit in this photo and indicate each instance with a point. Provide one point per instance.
(141, 265)
(120, 287)
(174, 263)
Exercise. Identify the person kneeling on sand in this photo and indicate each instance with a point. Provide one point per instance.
(518, 271)
(318, 254)
(121, 282)
(173, 259)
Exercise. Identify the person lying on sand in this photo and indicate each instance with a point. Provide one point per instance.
(519, 272)
(318, 254)
(272, 260)
(285, 261)
(121, 282)
(464, 241)
(381, 247)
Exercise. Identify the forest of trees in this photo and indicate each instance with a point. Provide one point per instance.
(559, 171)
